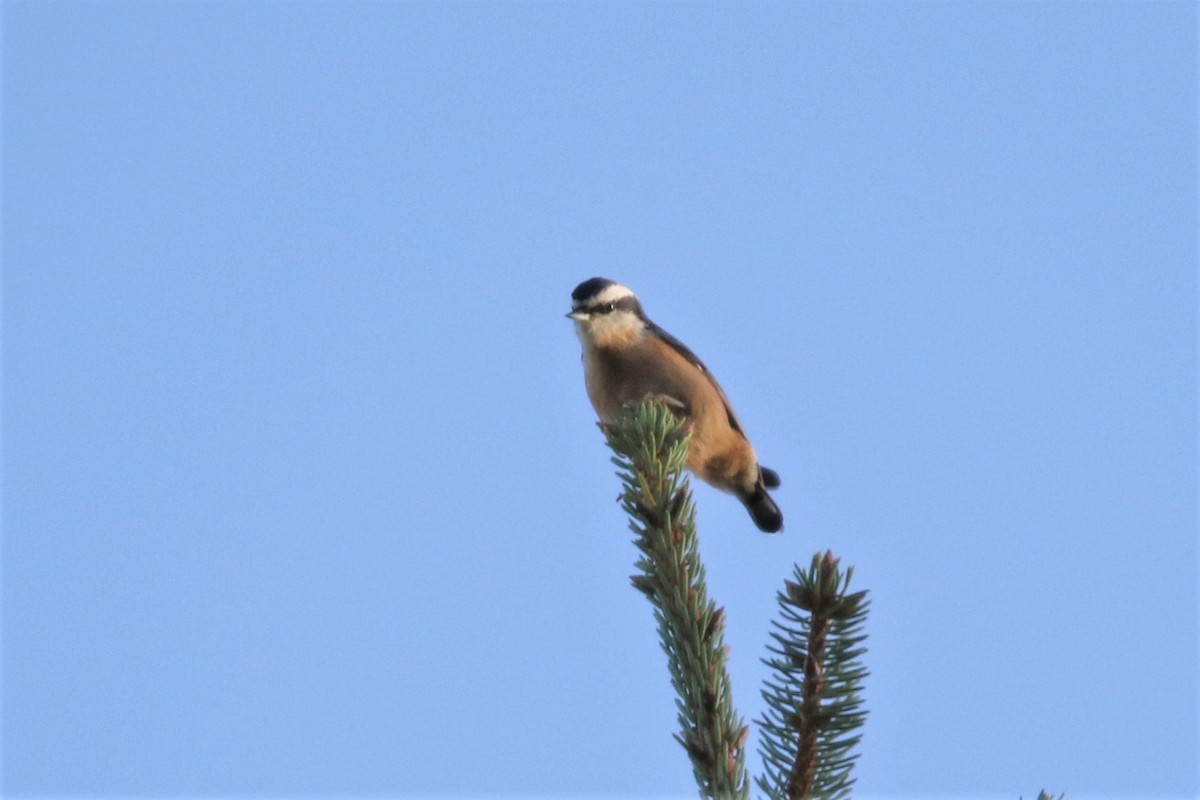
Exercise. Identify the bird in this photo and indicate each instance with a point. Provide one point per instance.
(627, 358)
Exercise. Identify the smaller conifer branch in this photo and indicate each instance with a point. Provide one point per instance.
(650, 444)
(813, 697)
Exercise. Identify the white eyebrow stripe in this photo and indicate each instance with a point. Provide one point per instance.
(611, 294)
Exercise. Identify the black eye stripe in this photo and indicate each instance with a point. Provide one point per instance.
(624, 304)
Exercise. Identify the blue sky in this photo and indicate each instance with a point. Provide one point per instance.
(302, 491)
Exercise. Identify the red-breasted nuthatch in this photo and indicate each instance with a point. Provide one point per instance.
(626, 358)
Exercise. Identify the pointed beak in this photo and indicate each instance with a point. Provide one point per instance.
(578, 316)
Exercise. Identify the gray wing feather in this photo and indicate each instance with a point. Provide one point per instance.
(683, 350)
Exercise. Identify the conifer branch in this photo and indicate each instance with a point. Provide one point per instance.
(651, 450)
(813, 697)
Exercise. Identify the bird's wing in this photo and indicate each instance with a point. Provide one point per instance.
(692, 358)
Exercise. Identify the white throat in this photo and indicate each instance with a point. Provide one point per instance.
(604, 330)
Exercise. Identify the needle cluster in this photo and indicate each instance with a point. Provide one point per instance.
(650, 444)
(814, 716)
(814, 703)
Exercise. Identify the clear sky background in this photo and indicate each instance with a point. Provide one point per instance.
(302, 491)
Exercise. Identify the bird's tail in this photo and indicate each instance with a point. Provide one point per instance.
(769, 477)
(762, 508)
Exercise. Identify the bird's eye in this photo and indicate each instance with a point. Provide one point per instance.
(609, 308)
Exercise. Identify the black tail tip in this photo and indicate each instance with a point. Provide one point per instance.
(769, 477)
(763, 511)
